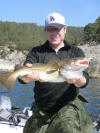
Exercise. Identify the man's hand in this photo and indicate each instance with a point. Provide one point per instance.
(73, 77)
(34, 76)
(78, 82)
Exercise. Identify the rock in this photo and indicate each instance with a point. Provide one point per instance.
(15, 57)
(94, 53)
(6, 65)
(11, 60)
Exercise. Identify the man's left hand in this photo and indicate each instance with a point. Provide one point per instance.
(78, 82)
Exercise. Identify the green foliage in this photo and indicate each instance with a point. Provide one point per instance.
(92, 31)
(74, 34)
(3, 53)
(23, 35)
(27, 35)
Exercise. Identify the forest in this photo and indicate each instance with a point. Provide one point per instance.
(24, 36)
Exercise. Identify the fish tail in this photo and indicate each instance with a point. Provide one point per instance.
(8, 80)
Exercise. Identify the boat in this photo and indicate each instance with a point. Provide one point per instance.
(14, 121)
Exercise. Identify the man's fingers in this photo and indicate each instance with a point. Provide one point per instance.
(72, 81)
(28, 65)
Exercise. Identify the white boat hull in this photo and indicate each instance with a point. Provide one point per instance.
(6, 127)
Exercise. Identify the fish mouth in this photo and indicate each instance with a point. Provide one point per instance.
(82, 62)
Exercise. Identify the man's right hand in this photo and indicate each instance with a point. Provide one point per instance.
(34, 76)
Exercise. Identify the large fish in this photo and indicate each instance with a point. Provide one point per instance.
(50, 72)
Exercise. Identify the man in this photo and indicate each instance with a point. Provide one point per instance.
(58, 108)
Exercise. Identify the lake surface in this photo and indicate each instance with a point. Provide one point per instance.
(22, 96)
(92, 94)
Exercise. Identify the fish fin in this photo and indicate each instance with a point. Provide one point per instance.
(17, 67)
(53, 60)
(8, 80)
(51, 71)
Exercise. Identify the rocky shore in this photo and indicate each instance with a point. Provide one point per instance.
(11, 59)
(94, 53)
(15, 57)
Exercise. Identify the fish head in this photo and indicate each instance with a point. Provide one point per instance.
(75, 64)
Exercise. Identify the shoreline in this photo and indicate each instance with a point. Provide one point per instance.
(18, 57)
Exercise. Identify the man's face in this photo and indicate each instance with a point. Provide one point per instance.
(54, 35)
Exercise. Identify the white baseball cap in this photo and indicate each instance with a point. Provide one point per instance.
(55, 19)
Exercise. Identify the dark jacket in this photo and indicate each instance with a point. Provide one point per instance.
(50, 97)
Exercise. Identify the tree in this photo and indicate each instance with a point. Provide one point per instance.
(89, 32)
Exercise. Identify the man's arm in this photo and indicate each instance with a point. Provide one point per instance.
(34, 76)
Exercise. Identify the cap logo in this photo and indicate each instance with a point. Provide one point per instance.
(52, 18)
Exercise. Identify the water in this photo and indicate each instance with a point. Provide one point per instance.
(92, 94)
(22, 96)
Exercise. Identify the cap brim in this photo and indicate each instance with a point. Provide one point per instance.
(59, 26)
